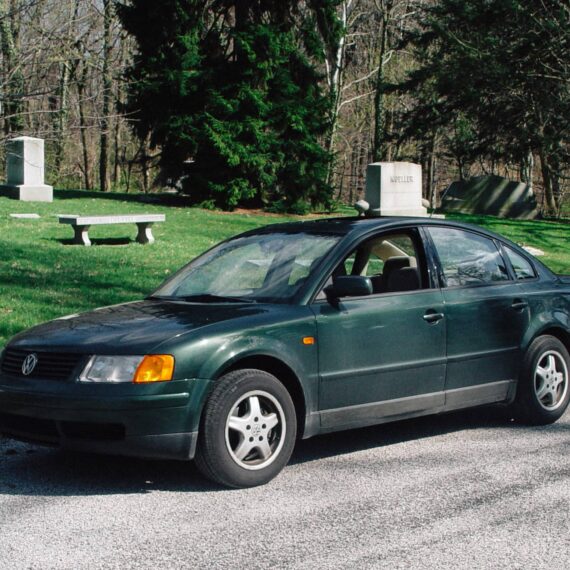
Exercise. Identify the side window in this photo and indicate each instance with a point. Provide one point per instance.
(467, 258)
(523, 269)
(391, 261)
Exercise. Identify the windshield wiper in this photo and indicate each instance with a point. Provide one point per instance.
(209, 298)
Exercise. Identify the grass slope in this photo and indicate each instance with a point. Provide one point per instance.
(41, 277)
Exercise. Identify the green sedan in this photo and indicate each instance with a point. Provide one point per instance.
(295, 330)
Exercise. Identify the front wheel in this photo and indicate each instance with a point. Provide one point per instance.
(543, 392)
(248, 429)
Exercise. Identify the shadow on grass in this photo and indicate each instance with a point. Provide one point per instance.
(95, 241)
(34, 471)
(162, 199)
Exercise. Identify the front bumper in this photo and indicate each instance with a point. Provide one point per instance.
(158, 421)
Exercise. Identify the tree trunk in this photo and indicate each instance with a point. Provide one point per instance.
(117, 128)
(66, 67)
(379, 146)
(526, 169)
(117, 153)
(431, 194)
(107, 86)
(83, 127)
(548, 183)
(335, 69)
(13, 81)
(145, 168)
(61, 116)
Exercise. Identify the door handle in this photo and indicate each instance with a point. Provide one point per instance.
(519, 305)
(433, 317)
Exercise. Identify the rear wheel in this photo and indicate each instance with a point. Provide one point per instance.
(248, 429)
(543, 392)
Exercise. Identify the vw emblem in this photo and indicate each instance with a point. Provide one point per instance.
(29, 364)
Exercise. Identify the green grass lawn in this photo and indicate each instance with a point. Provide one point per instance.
(42, 277)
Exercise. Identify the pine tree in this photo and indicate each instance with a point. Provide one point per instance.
(227, 92)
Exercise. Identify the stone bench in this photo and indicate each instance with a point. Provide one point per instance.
(81, 225)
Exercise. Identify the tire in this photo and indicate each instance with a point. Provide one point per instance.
(248, 429)
(543, 391)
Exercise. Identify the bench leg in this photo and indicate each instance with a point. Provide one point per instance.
(144, 234)
(81, 236)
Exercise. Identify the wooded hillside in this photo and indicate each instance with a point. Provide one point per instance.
(281, 104)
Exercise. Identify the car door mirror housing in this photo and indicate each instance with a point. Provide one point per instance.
(349, 286)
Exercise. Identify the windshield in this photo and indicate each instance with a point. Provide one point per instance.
(269, 267)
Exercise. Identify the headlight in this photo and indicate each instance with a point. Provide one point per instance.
(137, 369)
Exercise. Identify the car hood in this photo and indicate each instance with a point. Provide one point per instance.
(130, 328)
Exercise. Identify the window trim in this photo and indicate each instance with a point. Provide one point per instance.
(415, 232)
(439, 267)
(505, 247)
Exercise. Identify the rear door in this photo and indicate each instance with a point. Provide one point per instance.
(486, 317)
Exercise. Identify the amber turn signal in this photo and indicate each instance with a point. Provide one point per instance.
(308, 340)
(155, 368)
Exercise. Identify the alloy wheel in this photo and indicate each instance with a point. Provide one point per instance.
(255, 430)
(551, 380)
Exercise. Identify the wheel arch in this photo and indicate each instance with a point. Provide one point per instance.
(557, 332)
(283, 373)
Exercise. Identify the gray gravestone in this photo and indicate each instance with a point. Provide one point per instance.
(25, 170)
(491, 195)
(395, 189)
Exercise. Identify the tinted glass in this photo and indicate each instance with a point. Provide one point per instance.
(259, 267)
(523, 269)
(468, 258)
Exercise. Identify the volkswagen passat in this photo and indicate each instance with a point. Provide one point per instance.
(291, 331)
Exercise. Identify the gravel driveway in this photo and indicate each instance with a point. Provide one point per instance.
(466, 490)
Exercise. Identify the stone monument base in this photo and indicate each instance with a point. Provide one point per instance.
(395, 189)
(28, 193)
(416, 213)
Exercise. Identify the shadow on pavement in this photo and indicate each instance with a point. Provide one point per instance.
(382, 435)
(38, 471)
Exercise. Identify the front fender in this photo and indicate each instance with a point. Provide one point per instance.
(207, 355)
(238, 349)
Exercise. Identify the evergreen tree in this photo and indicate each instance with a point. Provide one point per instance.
(499, 72)
(228, 92)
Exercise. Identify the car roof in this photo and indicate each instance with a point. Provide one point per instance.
(361, 225)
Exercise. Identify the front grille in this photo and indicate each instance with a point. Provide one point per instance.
(50, 365)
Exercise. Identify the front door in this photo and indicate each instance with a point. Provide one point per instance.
(383, 355)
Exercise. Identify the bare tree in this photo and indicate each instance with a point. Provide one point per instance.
(107, 96)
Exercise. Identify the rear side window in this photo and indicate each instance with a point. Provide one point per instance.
(468, 258)
(521, 266)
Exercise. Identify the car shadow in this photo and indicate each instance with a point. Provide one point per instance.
(393, 433)
(28, 470)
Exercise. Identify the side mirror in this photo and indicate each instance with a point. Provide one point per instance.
(349, 286)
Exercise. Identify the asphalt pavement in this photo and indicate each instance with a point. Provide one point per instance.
(466, 490)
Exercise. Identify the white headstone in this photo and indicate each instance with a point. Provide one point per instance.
(25, 170)
(395, 189)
